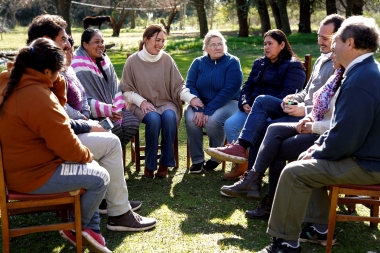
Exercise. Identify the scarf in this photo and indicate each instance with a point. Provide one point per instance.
(102, 92)
(75, 90)
(322, 97)
(146, 56)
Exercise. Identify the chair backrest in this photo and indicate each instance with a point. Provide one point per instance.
(30, 203)
(307, 66)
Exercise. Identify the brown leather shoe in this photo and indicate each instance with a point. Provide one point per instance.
(261, 212)
(148, 173)
(249, 186)
(236, 171)
(162, 171)
(130, 221)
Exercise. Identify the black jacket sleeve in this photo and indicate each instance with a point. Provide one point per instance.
(80, 126)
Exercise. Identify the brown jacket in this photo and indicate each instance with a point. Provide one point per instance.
(35, 132)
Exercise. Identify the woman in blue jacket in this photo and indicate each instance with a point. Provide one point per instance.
(215, 78)
(278, 73)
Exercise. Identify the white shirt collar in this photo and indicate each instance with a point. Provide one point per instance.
(357, 60)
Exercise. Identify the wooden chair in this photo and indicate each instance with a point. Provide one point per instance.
(15, 203)
(188, 154)
(307, 65)
(372, 193)
(138, 151)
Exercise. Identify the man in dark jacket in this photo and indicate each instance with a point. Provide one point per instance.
(348, 153)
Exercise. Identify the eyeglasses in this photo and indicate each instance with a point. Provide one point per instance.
(216, 45)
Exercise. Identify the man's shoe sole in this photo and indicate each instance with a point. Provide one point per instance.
(249, 194)
(130, 229)
(225, 157)
(321, 242)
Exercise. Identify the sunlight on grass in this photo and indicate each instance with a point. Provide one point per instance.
(236, 218)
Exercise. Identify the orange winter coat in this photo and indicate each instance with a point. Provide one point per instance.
(35, 132)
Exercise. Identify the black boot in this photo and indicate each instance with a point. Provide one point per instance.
(249, 186)
(261, 212)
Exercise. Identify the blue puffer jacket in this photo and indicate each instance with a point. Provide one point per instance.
(277, 79)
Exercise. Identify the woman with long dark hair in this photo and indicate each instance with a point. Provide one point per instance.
(278, 73)
(98, 77)
(41, 153)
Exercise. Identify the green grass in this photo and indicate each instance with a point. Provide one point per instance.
(192, 215)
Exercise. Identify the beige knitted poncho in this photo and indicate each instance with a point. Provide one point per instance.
(159, 82)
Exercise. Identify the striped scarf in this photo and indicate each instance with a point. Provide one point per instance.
(103, 92)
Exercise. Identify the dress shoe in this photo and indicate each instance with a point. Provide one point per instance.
(236, 172)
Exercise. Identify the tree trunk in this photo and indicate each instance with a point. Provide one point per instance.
(202, 19)
(304, 25)
(264, 16)
(116, 26)
(133, 19)
(331, 7)
(242, 8)
(350, 4)
(284, 16)
(276, 13)
(63, 9)
(357, 8)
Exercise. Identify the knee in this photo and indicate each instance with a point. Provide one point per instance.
(169, 116)
(259, 100)
(152, 118)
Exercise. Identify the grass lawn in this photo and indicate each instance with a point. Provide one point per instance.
(192, 215)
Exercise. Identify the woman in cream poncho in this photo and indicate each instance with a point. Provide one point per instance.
(153, 89)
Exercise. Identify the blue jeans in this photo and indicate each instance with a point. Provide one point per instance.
(72, 176)
(263, 107)
(281, 143)
(154, 124)
(234, 125)
(214, 129)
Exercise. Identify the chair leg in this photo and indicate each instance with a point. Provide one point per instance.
(176, 156)
(332, 219)
(187, 154)
(374, 210)
(124, 157)
(78, 225)
(5, 231)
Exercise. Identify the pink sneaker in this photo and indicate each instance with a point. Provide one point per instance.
(69, 236)
(94, 242)
(231, 152)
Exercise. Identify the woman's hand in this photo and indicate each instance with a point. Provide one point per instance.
(147, 107)
(200, 119)
(116, 116)
(294, 110)
(307, 128)
(247, 108)
(196, 102)
(301, 124)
